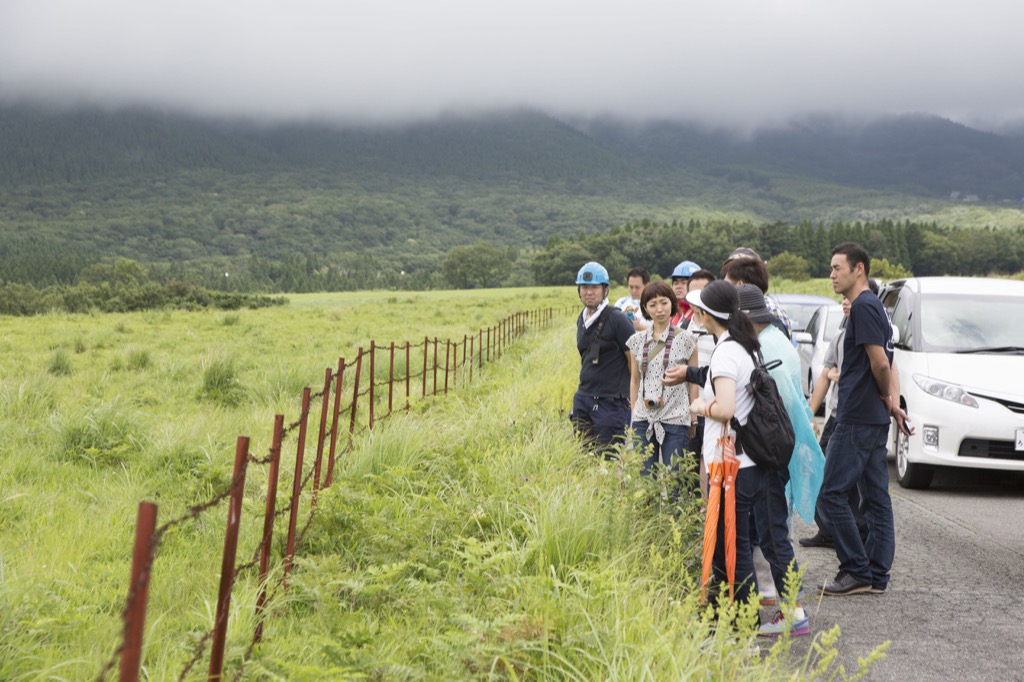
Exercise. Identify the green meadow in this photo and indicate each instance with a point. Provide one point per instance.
(472, 538)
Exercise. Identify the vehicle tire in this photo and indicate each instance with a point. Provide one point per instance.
(910, 475)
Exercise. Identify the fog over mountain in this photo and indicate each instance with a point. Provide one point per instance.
(741, 64)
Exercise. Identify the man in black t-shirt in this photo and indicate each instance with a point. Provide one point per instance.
(856, 453)
(600, 408)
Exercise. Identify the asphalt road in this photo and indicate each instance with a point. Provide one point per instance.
(954, 607)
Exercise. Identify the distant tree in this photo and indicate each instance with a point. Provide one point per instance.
(480, 265)
(939, 255)
(882, 269)
(789, 266)
(558, 264)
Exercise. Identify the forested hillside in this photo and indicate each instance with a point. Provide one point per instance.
(298, 207)
(918, 155)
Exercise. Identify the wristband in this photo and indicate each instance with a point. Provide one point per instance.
(707, 410)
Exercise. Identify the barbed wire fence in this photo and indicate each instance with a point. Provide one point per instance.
(476, 350)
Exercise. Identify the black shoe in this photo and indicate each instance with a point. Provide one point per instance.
(818, 540)
(845, 584)
(875, 589)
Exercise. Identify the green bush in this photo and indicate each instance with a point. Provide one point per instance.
(884, 270)
(106, 435)
(221, 384)
(60, 363)
(789, 266)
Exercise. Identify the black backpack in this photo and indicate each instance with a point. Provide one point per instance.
(767, 437)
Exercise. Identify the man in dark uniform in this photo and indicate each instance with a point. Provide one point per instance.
(857, 447)
(600, 408)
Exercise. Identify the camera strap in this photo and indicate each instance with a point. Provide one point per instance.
(647, 349)
(644, 361)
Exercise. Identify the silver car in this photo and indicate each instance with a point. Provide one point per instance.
(800, 307)
(812, 343)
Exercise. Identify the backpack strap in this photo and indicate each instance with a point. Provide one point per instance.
(601, 319)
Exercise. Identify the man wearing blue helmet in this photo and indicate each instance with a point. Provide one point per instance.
(600, 408)
(680, 287)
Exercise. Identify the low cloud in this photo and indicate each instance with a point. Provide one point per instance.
(739, 63)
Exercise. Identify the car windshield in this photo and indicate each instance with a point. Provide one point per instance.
(832, 322)
(800, 314)
(964, 323)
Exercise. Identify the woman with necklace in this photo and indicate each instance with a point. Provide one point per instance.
(661, 414)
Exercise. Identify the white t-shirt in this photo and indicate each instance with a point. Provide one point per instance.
(705, 347)
(631, 306)
(730, 359)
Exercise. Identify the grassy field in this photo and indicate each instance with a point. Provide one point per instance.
(470, 539)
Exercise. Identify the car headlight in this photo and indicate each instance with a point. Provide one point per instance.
(946, 391)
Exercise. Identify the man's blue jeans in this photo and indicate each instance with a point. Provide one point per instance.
(856, 457)
(676, 441)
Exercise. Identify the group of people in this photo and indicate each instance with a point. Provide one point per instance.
(667, 369)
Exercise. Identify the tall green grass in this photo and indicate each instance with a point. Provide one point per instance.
(477, 541)
(470, 539)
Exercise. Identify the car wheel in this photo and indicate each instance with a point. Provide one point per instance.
(910, 475)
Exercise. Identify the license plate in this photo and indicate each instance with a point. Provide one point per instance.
(1020, 440)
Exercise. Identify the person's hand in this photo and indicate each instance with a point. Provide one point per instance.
(815, 428)
(638, 324)
(698, 406)
(675, 375)
(833, 375)
(902, 421)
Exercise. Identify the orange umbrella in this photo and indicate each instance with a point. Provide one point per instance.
(711, 524)
(730, 467)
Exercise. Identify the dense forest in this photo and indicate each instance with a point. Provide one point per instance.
(905, 248)
(486, 200)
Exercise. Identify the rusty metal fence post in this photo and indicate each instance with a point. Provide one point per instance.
(447, 362)
(329, 478)
(373, 378)
(355, 397)
(325, 404)
(391, 380)
(435, 365)
(268, 521)
(138, 592)
(227, 566)
(293, 517)
(426, 346)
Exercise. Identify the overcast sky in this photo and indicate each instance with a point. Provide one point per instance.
(742, 62)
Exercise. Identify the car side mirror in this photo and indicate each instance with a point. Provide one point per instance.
(803, 337)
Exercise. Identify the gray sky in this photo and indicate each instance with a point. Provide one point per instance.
(737, 62)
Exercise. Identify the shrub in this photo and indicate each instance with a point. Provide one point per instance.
(138, 359)
(789, 266)
(104, 436)
(221, 384)
(60, 363)
(884, 270)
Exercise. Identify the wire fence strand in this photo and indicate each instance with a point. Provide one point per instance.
(496, 345)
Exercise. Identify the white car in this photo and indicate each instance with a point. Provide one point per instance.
(959, 348)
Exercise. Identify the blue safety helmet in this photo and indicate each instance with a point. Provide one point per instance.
(592, 273)
(685, 269)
